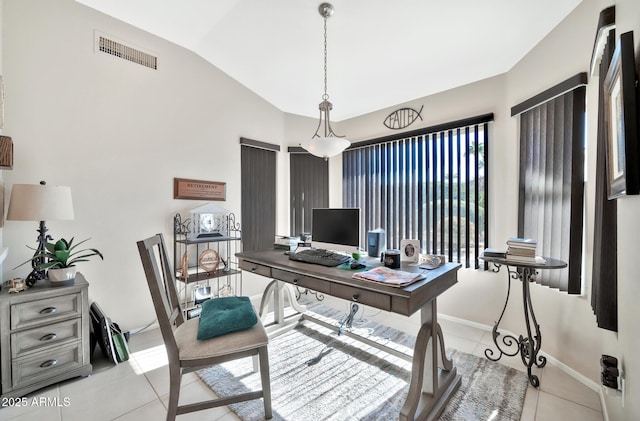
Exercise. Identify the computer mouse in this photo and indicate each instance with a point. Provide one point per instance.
(356, 265)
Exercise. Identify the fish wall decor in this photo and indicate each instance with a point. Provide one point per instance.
(401, 118)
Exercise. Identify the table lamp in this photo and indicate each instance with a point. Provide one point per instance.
(39, 202)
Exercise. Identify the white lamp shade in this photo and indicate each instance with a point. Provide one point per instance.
(37, 202)
(325, 147)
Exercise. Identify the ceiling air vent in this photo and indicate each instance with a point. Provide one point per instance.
(126, 52)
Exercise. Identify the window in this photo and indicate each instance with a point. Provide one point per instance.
(550, 205)
(309, 188)
(427, 185)
(258, 178)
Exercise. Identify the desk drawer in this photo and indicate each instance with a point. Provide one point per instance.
(370, 298)
(35, 313)
(302, 281)
(256, 268)
(31, 340)
(46, 364)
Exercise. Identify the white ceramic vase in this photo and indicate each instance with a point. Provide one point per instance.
(62, 276)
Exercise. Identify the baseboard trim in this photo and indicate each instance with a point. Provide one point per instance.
(551, 359)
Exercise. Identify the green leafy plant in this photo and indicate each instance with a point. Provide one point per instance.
(63, 254)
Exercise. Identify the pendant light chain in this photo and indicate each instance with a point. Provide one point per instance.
(325, 96)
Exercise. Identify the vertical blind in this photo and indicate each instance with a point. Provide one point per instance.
(604, 282)
(258, 180)
(429, 185)
(551, 183)
(309, 189)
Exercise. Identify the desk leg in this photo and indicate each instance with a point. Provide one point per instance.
(274, 294)
(433, 377)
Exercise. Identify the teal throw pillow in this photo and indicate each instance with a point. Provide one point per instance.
(223, 315)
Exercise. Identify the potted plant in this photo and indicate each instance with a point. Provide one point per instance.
(60, 259)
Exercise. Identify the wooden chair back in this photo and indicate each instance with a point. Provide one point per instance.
(160, 277)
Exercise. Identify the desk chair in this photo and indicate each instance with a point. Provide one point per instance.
(185, 352)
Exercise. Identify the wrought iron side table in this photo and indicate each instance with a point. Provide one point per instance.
(528, 346)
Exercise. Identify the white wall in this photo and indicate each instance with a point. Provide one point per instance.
(566, 321)
(3, 132)
(568, 325)
(573, 337)
(573, 317)
(628, 338)
(117, 133)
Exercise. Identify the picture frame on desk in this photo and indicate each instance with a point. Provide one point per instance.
(621, 121)
(409, 251)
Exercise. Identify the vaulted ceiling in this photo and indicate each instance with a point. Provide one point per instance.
(379, 53)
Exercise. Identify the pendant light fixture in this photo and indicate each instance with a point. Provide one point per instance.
(329, 144)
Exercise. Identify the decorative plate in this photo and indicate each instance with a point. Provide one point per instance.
(209, 260)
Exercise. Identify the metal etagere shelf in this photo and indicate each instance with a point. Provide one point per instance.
(205, 266)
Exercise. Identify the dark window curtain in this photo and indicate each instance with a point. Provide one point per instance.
(309, 189)
(258, 172)
(551, 192)
(604, 283)
(428, 185)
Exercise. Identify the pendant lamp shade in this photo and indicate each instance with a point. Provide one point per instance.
(325, 147)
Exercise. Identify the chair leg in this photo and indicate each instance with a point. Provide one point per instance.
(266, 382)
(175, 378)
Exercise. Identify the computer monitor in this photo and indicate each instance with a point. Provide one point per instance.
(335, 229)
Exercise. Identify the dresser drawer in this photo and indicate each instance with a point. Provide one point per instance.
(38, 338)
(34, 313)
(45, 364)
(373, 299)
(256, 268)
(302, 281)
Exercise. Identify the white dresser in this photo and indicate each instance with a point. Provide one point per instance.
(44, 336)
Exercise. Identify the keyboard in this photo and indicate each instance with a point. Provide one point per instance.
(319, 257)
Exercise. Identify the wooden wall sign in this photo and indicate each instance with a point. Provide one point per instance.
(198, 189)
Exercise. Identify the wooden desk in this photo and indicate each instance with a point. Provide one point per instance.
(433, 377)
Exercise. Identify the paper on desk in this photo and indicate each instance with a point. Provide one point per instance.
(392, 277)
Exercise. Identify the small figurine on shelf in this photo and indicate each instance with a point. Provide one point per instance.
(16, 285)
(226, 264)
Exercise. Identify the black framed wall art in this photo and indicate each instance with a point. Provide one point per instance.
(621, 121)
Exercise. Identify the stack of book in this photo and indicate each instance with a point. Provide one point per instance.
(490, 252)
(285, 243)
(521, 250)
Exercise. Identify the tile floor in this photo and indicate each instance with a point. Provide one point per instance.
(137, 390)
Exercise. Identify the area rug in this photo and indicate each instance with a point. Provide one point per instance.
(317, 374)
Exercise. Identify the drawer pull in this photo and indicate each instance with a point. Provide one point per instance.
(48, 337)
(253, 269)
(355, 297)
(48, 310)
(49, 363)
(295, 281)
